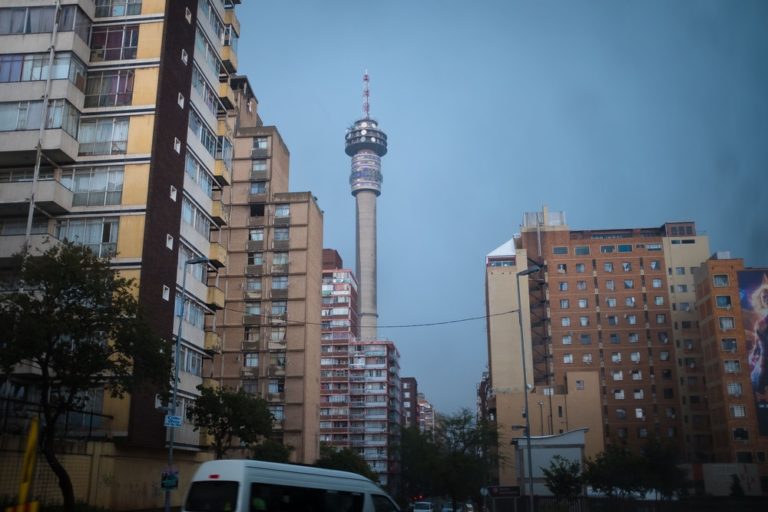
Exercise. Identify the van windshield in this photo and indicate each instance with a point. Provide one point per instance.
(212, 497)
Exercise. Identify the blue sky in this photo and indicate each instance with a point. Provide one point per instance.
(620, 113)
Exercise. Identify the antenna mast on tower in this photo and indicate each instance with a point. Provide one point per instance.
(366, 94)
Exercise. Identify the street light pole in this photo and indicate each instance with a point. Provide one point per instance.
(526, 272)
(177, 355)
(541, 418)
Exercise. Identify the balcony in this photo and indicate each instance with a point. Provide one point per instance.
(259, 176)
(215, 299)
(276, 397)
(227, 97)
(249, 345)
(254, 270)
(217, 255)
(276, 370)
(251, 319)
(259, 153)
(281, 244)
(279, 293)
(249, 371)
(279, 268)
(51, 197)
(222, 175)
(231, 19)
(38, 244)
(229, 58)
(20, 147)
(212, 343)
(260, 197)
(219, 213)
(276, 345)
(255, 245)
(283, 221)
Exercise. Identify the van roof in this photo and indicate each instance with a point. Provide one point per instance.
(233, 468)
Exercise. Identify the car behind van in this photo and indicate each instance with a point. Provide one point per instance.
(254, 486)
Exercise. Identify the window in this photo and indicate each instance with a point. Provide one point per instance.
(583, 303)
(560, 250)
(563, 286)
(97, 233)
(109, 8)
(253, 308)
(617, 375)
(606, 249)
(608, 266)
(658, 300)
(584, 321)
(193, 216)
(629, 284)
(661, 318)
(208, 94)
(616, 357)
(668, 393)
(564, 303)
(680, 271)
(568, 358)
(657, 283)
(104, 136)
(734, 389)
(633, 337)
(637, 374)
(618, 394)
(741, 434)
(280, 282)
(580, 267)
(614, 338)
(663, 337)
(626, 266)
(728, 344)
(610, 302)
(655, 264)
(580, 383)
(631, 319)
(562, 268)
(720, 280)
(664, 355)
(610, 284)
(723, 301)
(26, 115)
(280, 258)
(259, 166)
(255, 258)
(260, 143)
(114, 42)
(258, 188)
(634, 357)
(34, 66)
(206, 136)
(581, 285)
(282, 210)
(251, 360)
(581, 250)
(625, 247)
(38, 20)
(585, 339)
(567, 339)
(94, 186)
(621, 413)
(727, 323)
(253, 284)
(738, 411)
(587, 358)
(256, 234)
(281, 233)
(565, 321)
(613, 320)
(732, 366)
(191, 361)
(681, 288)
(629, 301)
(109, 88)
(277, 334)
(279, 307)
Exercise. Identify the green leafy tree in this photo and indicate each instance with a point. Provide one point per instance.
(419, 462)
(616, 471)
(232, 418)
(466, 455)
(563, 477)
(271, 451)
(661, 473)
(344, 459)
(77, 323)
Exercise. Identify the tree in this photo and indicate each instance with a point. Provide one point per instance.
(563, 477)
(737, 491)
(344, 459)
(228, 415)
(271, 451)
(78, 324)
(615, 471)
(466, 455)
(661, 473)
(419, 461)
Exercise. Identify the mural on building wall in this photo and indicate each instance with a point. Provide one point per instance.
(753, 291)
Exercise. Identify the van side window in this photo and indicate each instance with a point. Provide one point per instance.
(383, 504)
(284, 498)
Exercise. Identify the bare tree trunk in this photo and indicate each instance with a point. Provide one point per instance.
(65, 482)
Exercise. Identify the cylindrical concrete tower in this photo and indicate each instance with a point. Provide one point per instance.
(366, 144)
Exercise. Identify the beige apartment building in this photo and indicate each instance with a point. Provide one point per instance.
(270, 325)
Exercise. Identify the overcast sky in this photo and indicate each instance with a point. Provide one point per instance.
(620, 113)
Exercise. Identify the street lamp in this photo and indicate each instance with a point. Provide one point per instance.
(526, 272)
(177, 355)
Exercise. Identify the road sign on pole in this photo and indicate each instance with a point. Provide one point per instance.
(172, 421)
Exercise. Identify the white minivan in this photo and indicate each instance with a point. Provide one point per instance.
(255, 486)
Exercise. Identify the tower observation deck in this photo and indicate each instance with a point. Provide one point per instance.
(366, 144)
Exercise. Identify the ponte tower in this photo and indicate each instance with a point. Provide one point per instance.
(366, 144)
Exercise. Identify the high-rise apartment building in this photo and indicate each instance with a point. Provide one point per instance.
(410, 401)
(130, 104)
(426, 414)
(618, 303)
(270, 327)
(360, 405)
(732, 305)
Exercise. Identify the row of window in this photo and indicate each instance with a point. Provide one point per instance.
(40, 20)
(584, 250)
(278, 308)
(630, 319)
(608, 266)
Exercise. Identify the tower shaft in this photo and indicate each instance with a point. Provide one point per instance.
(366, 262)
